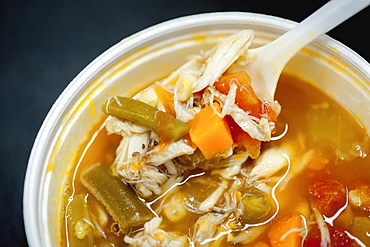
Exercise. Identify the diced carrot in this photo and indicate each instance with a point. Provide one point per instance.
(286, 232)
(210, 133)
(245, 98)
(243, 140)
(166, 98)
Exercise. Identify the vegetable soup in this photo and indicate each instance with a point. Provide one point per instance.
(198, 159)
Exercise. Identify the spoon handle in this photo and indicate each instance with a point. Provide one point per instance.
(323, 20)
(277, 53)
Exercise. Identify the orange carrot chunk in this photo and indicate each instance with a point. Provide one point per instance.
(286, 232)
(210, 133)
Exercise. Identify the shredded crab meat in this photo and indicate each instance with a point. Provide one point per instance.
(159, 154)
(153, 235)
(124, 128)
(231, 167)
(207, 227)
(267, 164)
(143, 170)
(226, 53)
(210, 202)
(324, 231)
(247, 236)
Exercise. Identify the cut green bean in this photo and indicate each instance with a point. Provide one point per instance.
(120, 200)
(80, 232)
(163, 123)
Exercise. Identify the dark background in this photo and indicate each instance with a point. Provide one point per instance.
(45, 44)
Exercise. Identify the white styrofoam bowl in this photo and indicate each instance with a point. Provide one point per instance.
(148, 56)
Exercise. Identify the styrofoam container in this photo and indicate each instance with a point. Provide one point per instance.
(148, 56)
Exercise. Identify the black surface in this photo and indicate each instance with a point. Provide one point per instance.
(44, 45)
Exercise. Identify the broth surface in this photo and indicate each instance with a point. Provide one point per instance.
(317, 127)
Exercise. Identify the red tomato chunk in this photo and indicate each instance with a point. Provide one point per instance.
(327, 195)
(338, 237)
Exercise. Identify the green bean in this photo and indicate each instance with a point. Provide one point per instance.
(120, 201)
(163, 123)
(256, 205)
(80, 233)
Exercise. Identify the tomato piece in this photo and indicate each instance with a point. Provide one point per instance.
(243, 140)
(338, 237)
(327, 195)
(245, 98)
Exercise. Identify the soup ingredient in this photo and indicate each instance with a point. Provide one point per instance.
(166, 98)
(243, 140)
(287, 232)
(256, 205)
(210, 132)
(245, 98)
(164, 124)
(327, 195)
(120, 201)
(80, 232)
(153, 235)
(360, 195)
(338, 237)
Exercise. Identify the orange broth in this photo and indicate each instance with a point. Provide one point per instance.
(315, 122)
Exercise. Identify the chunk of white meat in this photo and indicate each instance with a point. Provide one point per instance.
(184, 111)
(135, 142)
(130, 147)
(153, 235)
(268, 164)
(161, 154)
(298, 167)
(114, 125)
(324, 231)
(226, 53)
(260, 130)
(143, 172)
(247, 236)
(211, 200)
(231, 167)
(207, 227)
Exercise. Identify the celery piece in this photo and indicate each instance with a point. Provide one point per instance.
(163, 123)
(119, 199)
(80, 232)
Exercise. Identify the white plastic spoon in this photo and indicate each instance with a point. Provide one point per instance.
(269, 60)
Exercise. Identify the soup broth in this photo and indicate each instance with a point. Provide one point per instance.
(325, 150)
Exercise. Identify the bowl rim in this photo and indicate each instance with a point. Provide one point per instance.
(35, 172)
